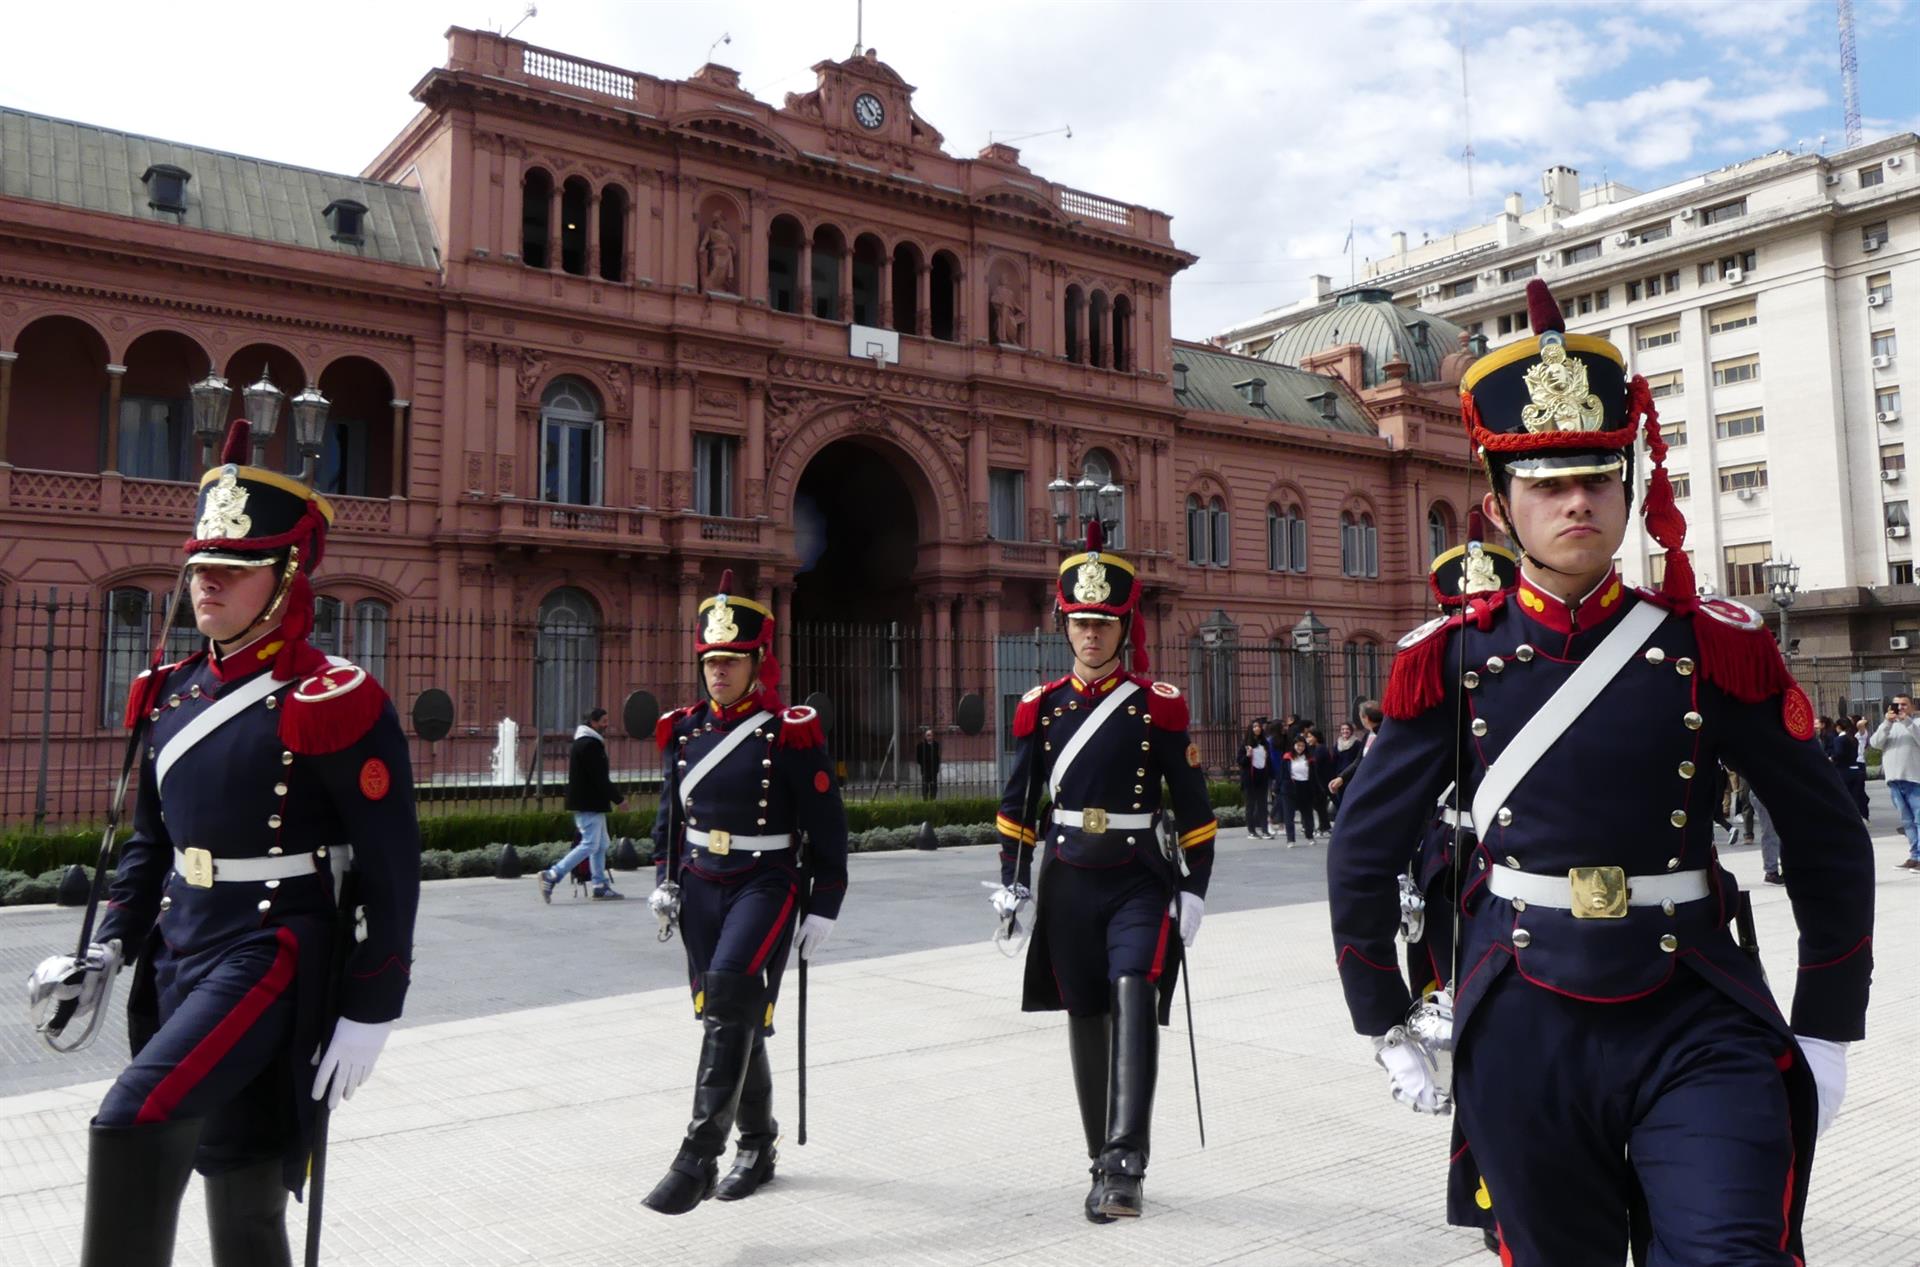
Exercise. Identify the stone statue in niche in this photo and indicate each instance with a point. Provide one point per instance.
(717, 257)
(1008, 318)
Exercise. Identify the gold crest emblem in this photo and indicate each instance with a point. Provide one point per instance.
(1481, 577)
(720, 625)
(225, 517)
(1558, 389)
(1090, 583)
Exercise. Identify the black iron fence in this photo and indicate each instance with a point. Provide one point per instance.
(518, 688)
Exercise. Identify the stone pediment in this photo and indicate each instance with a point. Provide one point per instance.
(736, 129)
(1027, 201)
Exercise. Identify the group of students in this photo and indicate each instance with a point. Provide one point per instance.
(1286, 770)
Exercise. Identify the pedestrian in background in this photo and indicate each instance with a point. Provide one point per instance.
(1340, 763)
(1899, 749)
(1256, 776)
(926, 754)
(1297, 779)
(1769, 841)
(591, 796)
(1854, 772)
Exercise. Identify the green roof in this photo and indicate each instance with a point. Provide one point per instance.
(1214, 381)
(1384, 330)
(97, 169)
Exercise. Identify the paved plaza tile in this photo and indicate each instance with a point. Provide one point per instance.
(942, 1126)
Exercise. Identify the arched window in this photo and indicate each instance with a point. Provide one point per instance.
(783, 264)
(1122, 333)
(132, 616)
(1097, 317)
(828, 248)
(1222, 531)
(328, 636)
(574, 197)
(570, 443)
(907, 267)
(1359, 545)
(867, 257)
(370, 637)
(1098, 466)
(943, 297)
(1199, 533)
(566, 660)
(1286, 538)
(1439, 530)
(1075, 315)
(613, 233)
(536, 198)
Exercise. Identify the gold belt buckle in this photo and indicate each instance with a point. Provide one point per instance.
(199, 872)
(719, 842)
(1093, 820)
(1598, 892)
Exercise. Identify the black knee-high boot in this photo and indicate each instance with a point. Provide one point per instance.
(135, 1178)
(730, 1015)
(1088, 1040)
(753, 1163)
(1134, 1068)
(247, 1217)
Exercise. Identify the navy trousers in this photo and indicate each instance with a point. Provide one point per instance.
(220, 1053)
(1104, 923)
(744, 926)
(1576, 1110)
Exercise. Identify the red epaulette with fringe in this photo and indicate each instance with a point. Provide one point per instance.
(144, 695)
(1166, 706)
(800, 728)
(1026, 717)
(332, 710)
(663, 729)
(1418, 679)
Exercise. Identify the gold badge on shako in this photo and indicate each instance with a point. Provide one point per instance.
(720, 625)
(1090, 583)
(1557, 387)
(225, 517)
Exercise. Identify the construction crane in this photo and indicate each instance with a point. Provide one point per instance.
(1849, 72)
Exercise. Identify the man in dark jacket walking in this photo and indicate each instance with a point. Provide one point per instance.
(926, 754)
(591, 796)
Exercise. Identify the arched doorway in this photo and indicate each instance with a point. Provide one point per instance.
(856, 633)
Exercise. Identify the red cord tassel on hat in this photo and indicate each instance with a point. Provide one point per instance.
(1665, 523)
(1137, 634)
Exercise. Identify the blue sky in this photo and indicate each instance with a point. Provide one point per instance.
(1263, 126)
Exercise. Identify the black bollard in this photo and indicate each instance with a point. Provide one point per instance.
(926, 839)
(508, 867)
(624, 857)
(75, 887)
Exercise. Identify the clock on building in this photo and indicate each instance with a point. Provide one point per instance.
(868, 112)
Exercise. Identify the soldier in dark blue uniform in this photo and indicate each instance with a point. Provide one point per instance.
(269, 773)
(750, 855)
(1112, 914)
(1615, 1049)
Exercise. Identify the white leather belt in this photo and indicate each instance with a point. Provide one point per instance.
(1558, 891)
(1454, 818)
(202, 870)
(1114, 822)
(722, 842)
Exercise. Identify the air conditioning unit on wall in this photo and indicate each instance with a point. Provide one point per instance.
(1899, 642)
(1744, 494)
(1875, 301)
(1896, 530)
(1882, 362)
(1889, 477)
(1887, 415)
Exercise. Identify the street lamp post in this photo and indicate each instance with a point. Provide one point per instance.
(1312, 639)
(310, 411)
(1783, 582)
(264, 401)
(210, 397)
(1077, 502)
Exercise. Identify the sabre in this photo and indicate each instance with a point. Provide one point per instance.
(322, 1115)
(1170, 845)
(800, 1054)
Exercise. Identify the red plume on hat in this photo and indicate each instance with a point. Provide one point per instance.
(238, 448)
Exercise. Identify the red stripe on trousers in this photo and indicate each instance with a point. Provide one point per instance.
(1160, 949)
(220, 1040)
(773, 934)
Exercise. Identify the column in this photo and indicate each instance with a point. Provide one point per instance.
(979, 490)
(593, 234)
(6, 399)
(1039, 473)
(846, 283)
(756, 458)
(1078, 318)
(689, 599)
(923, 298)
(506, 441)
(680, 444)
(553, 226)
(783, 623)
(886, 291)
(989, 651)
(629, 267)
(806, 277)
(398, 486)
(116, 377)
(943, 678)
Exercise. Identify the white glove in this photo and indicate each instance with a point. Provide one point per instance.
(62, 991)
(665, 901)
(349, 1060)
(1006, 900)
(1412, 1073)
(1827, 1060)
(814, 931)
(1190, 909)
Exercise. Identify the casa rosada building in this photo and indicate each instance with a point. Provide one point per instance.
(590, 337)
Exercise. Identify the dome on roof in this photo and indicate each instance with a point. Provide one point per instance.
(1385, 331)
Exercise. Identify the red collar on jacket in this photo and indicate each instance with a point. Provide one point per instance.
(243, 662)
(1598, 605)
(1100, 687)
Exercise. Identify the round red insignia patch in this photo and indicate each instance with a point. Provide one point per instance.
(822, 782)
(375, 782)
(1796, 712)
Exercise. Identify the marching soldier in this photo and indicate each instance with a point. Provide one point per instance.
(1610, 1038)
(269, 774)
(750, 845)
(1111, 913)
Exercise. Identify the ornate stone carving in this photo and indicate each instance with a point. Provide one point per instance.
(616, 375)
(718, 256)
(476, 471)
(479, 351)
(533, 363)
(503, 473)
(728, 357)
(719, 401)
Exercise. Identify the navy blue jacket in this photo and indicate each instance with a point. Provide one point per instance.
(1629, 785)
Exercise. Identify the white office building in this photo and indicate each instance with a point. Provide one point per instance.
(1767, 303)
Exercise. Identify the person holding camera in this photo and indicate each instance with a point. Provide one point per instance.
(1899, 747)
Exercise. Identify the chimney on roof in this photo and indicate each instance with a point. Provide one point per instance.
(1318, 286)
(1399, 242)
(1179, 376)
(1253, 391)
(1560, 185)
(1515, 204)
